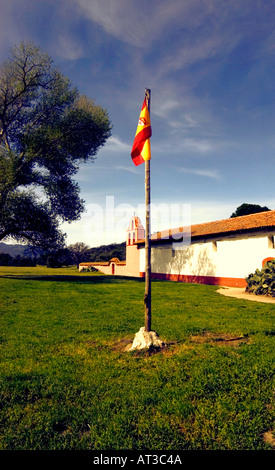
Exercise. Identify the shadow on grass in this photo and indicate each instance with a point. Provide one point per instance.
(104, 279)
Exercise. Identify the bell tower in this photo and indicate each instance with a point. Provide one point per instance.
(134, 232)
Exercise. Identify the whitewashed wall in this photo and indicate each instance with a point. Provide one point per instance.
(234, 258)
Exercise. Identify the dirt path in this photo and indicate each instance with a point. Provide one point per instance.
(240, 293)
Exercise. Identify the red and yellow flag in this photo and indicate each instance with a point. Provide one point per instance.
(141, 150)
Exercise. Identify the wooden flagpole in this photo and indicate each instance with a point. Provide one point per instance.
(147, 294)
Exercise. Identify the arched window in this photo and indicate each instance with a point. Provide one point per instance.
(134, 237)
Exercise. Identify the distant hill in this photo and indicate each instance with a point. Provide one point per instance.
(100, 253)
(13, 250)
(107, 252)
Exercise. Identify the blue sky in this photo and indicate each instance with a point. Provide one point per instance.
(210, 67)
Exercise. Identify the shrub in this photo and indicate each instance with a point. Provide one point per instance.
(7, 260)
(262, 282)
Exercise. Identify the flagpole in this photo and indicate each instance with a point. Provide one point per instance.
(141, 152)
(147, 294)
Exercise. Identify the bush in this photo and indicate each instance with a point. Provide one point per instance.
(53, 262)
(7, 260)
(262, 282)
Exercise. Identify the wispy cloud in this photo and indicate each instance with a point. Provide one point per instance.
(166, 106)
(205, 173)
(197, 49)
(197, 145)
(120, 18)
(129, 169)
(185, 146)
(68, 48)
(115, 144)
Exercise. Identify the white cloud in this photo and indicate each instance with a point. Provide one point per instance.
(115, 144)
(208, 173)
(140, 23)
(200, 48)
(185, 146)
(129, 169)
(68, 48)
(208, 211)
(136, 23)
(166, 106)
(197, 145)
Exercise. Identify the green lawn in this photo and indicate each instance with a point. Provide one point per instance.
(67, 383)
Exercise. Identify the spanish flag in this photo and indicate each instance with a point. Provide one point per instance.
(141, 150)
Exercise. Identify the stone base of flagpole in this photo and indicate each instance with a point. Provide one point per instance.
(145, 340)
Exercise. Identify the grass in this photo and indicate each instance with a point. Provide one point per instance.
(67, 383)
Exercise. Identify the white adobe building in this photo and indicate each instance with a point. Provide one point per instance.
(222, 252)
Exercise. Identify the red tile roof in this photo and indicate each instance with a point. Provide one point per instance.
(252, 222)
(103, 263)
